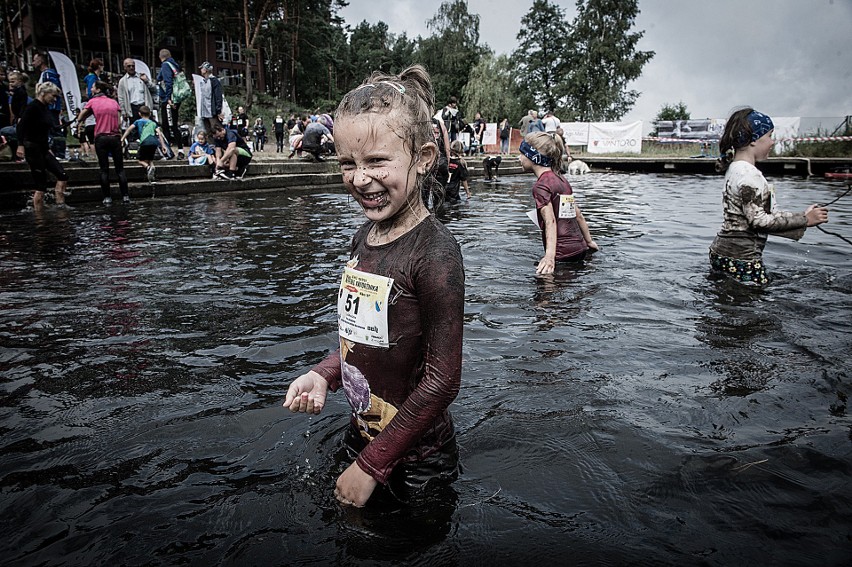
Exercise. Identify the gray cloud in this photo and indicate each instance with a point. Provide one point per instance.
(785, 57)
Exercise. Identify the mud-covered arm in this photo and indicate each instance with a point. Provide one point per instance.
(439, 285)
(780, 223)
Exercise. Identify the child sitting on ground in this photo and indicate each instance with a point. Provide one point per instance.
(201, 153)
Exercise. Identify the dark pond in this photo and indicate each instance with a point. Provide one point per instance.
(632, 411)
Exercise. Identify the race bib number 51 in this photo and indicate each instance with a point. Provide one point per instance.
(362, 307)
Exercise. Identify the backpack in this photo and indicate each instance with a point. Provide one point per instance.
(148, 135)
(180, 88)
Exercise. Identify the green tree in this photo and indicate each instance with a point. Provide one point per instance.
(673, 112)
(317, 51)
(604, 59)
(670, 112)
(452, 50)
(492, 91)
(373, 48)
(542, 57)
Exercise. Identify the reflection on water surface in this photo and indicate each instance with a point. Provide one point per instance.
(627, 411)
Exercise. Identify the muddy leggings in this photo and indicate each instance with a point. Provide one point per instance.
(42, 161)
(106, 144)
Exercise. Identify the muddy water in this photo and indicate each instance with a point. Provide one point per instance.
(629, 411)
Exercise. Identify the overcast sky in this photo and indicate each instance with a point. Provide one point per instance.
(784, 57)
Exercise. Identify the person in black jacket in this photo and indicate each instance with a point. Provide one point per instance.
(33, 132)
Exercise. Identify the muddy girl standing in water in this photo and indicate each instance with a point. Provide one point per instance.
(400, 301)
(564, 231)
(749, 201)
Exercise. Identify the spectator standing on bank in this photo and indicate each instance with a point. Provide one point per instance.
(550, 123)
(169, 110)
(259, 133)
(505, 135)
(107, 137)
(240, 122)
(524, 123)
(536, 125)
(211, 97)
(95, 67)
(134, 92)
(449, 115)
(279, 127)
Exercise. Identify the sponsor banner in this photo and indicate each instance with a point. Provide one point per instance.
(786, 127)
(70, 82)
(615, 137)
(489, 137)
(143, 69)
(226, 111)
(575, 133)
(196, 82)
(698, 130)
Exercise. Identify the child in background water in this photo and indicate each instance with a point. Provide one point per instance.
(564, 231)
(749, 201)
(457, 168)
(400, 302)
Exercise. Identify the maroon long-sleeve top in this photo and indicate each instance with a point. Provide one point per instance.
(419, 374)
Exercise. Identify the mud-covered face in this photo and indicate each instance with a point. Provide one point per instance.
(377, 164)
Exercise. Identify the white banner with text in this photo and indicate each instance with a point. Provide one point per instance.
(615, 137)
(575, 133)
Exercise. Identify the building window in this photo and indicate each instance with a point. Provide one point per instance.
(221, 50)
(171, 40)
(230, 78)
(235, 52)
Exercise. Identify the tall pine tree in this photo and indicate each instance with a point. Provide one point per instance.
(604, 60)
(452, 50)
(542, 55)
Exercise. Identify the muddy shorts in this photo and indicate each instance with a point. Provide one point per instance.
(745, 271)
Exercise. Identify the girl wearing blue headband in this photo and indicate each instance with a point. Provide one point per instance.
(564, 231)
(749, 201)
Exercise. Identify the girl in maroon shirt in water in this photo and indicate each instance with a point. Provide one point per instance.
(564, 231)
(400, 301)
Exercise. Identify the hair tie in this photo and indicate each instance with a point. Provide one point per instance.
(396, 86)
